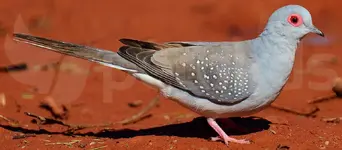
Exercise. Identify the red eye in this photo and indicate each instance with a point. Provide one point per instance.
(295, 20)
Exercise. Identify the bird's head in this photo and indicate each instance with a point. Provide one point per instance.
(291, 21)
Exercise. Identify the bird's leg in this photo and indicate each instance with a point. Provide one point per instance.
(223, 136)
(231, 124)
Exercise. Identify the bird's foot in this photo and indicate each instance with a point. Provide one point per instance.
(223, 136)
(229, 139)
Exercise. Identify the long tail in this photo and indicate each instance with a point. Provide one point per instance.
(104, 57)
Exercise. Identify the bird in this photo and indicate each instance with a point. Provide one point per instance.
(221, 79)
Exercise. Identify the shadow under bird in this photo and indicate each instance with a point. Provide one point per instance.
(213, 79)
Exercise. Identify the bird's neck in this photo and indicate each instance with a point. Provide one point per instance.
(275, 56)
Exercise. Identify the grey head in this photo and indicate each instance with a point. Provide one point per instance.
(291, 21)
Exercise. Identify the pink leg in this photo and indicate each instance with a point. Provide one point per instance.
(223, 135)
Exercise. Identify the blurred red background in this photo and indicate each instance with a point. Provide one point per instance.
(96, 94)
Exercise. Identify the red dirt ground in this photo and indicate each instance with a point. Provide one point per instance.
(94, 94)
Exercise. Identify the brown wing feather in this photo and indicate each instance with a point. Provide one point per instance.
(153, 46)
(141, 44)
(142, 58)
(140, 53)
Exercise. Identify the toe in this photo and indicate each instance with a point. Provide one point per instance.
(242, 141)
(215, 139)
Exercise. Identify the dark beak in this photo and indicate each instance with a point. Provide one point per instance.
(317, 31)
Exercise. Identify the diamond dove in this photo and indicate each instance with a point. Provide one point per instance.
(214, 79)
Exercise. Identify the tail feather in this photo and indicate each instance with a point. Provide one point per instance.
(104, 57)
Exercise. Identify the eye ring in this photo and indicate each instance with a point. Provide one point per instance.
(295, 20)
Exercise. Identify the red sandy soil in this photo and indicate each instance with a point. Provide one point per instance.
(95, 94)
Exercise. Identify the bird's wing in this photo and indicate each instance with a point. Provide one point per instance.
(219, 73)
(140, 53)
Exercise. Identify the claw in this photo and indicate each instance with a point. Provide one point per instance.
(239, 141)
